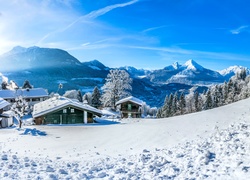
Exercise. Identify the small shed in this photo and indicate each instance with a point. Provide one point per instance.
(62, 110)
(6, 119)
(130, 107)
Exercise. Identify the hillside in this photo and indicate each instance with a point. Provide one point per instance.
(212, 144)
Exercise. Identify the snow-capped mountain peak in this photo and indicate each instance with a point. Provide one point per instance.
(233, 70)
(192, 65)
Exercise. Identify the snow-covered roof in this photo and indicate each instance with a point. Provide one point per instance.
(131, 99)
(59, 102)
(3, 103)
(26, 93)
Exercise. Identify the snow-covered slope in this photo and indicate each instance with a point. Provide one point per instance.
(212, 144)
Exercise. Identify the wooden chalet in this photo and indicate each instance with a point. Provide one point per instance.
(130, 107)
(62, 110)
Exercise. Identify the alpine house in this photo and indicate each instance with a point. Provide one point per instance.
(62, 110)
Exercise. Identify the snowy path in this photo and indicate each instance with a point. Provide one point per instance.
(212, 144)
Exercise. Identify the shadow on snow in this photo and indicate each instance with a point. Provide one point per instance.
(33, 132)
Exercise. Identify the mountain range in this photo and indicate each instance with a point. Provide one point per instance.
(47, 67)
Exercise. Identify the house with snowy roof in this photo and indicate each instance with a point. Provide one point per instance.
(32, 96)
(62, 110)
(6, 118)
(130, 107)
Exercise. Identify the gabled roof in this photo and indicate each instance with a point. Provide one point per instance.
(130, 99)
(3, 103)
(26, 93)
(58, 102)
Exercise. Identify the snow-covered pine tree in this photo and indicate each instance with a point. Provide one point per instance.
(209, 100)
(170, 104)
(87, 98)
(175, 104)
(242, 74)
(144, 109)
(196, 102)
(182, 103)
(215, 94)
(4, 85)
(159, 113)
(231, 92)
(79, 96)
(26, 85)
(116, 87)
(225, 92)
(96, 98)
(164, 109)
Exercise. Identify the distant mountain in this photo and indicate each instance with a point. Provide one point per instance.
(189, 73)
(47, 67)
(136, 73)
(95, 64)
(233, 70)
(35, 57)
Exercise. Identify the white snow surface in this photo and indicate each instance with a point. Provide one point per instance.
(212, 144)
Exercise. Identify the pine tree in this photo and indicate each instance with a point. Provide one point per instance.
(4, 85)
(196, 101)
(209, 101)
(182, 103)
(96, 98)
(79, 96)
(170, 104)
(159, 113)
(243, 74)
(175, 104)
(87, 98)
(26, 85)
(225, 92)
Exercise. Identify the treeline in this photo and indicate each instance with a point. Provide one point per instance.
(237, 88)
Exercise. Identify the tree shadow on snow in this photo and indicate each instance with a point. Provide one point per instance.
(33, 132)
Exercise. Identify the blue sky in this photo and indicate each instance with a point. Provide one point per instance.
(141, 33)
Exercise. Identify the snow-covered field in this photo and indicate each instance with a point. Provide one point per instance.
(213, 144)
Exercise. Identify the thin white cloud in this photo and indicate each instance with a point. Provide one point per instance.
(153, 28)
(239, 30)
(90, 16)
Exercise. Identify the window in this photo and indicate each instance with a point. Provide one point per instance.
(64, 110)
(72, 110)
(129, 107)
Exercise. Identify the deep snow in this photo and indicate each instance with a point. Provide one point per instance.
(212, 144)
